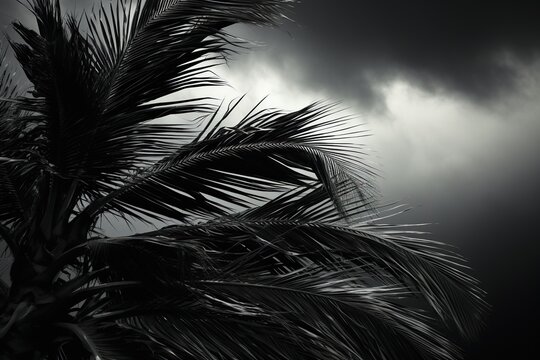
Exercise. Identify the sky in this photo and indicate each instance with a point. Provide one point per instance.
(449, 91)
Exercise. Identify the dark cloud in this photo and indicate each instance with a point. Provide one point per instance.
(474, 172)
(472, 49)
(469, 48)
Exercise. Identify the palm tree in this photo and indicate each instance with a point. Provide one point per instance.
(238, 272)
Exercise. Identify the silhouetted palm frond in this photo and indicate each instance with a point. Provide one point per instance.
(275, 252)
(233, 166)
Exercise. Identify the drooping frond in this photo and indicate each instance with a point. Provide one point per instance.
(334, 291)
(266, 152)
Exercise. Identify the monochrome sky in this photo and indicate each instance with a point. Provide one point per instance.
(450, 91)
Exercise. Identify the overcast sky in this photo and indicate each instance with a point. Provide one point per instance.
(450, 91)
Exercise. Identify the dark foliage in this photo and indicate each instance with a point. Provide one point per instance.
(276, 252)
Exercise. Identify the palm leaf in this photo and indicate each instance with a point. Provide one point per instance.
(228, 168)
(91, 139)
(263, 263)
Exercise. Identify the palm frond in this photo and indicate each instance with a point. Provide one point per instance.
(19, 164)
(157, 47)
(92, 137)
(67, 98)
(350, 293)
(424, 266)
(355, 322)
(107, 341)
(8, 87)
(230, 168)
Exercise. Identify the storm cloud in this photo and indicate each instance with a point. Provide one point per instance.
(471, 49)
(449, 90)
